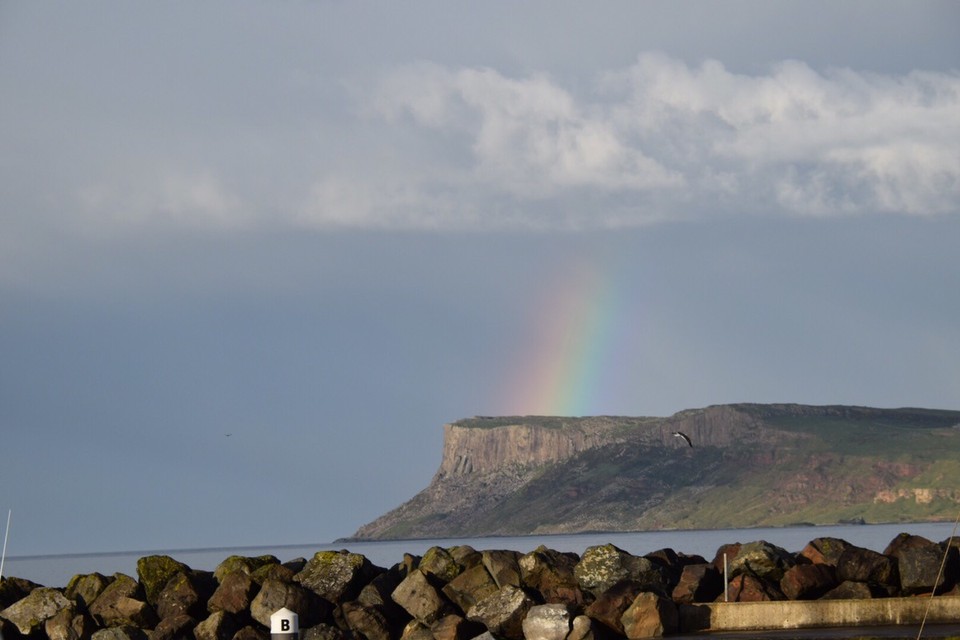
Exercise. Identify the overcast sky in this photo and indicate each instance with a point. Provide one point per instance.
(254, 255)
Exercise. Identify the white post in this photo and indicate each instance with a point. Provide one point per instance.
(284, 625)
(3, 555)
(725, 582)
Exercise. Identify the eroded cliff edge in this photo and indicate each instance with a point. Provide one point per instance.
(752, 465)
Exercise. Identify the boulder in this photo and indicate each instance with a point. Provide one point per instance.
(84, 589)
(274, 595)
(603, 566)
(219, 625)
(454, 627)
(503, 612)
(551, 574)
(154, 572)
(547, 622)
(581, 629)
(421, 599)
(249, 633)
(439, 565)
(762, 559)
(175, 627)
(122, 603)
(28, 614)
(825, 550)
(180, 596)
(609, 606)
(863, 565)
(698, 583)
(465, 556)
(918, 564)
(235, 593)
(296, 565)
(123, 632)
(808, 581)
(849, 590)
(378, 593)
(273, 571)
(470, 587)
(325, 631)
(415, 630)
(650, 616)
(245, 564)
(750, 588)
(67, 624)
(337, 576)
(14, 589)
(367, 622)
(503, 567)
(730, 551)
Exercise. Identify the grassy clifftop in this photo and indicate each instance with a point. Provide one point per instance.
(751, 465)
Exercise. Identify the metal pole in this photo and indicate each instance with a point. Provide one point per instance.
(3, 555)
(725, 581)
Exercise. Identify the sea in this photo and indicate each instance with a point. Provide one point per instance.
(56, 570)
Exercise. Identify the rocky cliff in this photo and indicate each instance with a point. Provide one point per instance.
(751, 465)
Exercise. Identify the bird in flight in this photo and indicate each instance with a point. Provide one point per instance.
(684, 437)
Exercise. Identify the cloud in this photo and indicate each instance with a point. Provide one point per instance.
(664, 139)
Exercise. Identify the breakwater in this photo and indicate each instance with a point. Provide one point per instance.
(459, 592)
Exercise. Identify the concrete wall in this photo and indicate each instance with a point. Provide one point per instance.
(793, 614)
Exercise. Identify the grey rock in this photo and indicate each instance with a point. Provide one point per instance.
(28, 614)
(470, 587)
(337, 576)
(235, 593)
(84, 589)
(154, 572)
(220, 625)
(762, 559)
(421, 599)
(547, 622)
(124, 632)
(650, 616)
(503, 612)
(274, 595)
(175, 627)
(503, 567)
(368, 622)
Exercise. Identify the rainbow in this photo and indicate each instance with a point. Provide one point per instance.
(566, 366)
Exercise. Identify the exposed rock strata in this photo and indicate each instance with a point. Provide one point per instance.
(795, 463)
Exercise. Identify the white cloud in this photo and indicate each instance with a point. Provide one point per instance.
(664, 139)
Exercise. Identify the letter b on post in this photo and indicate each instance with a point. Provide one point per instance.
(284, 625)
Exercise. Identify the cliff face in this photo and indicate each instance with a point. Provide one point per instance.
(750, 465)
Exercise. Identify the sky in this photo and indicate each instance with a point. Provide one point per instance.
(254, 255)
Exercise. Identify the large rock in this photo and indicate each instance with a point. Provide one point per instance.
(857, 564)
(244, 564)
(918, 564)
(551, 574)
(603, 566)
(219, 625)
(762, 559)
(750, 588)
(29, 613)
(175, 627)
(154, 572)
(438, 563)
(325, 632)
(650, 616)
(122, 603)
(180, 596)
(503, 567)
(275, 595)
(249, 633)
(698, 583)
(421, 599)
(69, 625)
(808, 581)
(13, 589)
(235, 593)
(470, 587)
(84, 588)
(367, 622)
(825, 550)
(582, 629)
(454, 627)
(124, 632)
(610, 605)
(503, 612)
(849, 590)
(547, 622)
(337, 576)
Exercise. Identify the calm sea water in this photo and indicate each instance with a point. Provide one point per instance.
(56, 570)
